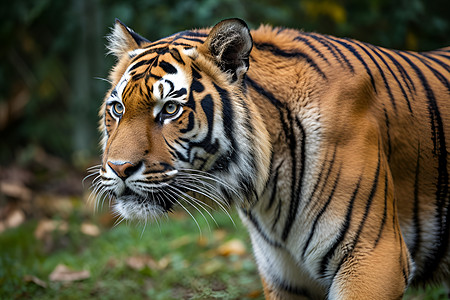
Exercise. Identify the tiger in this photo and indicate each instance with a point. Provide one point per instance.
(333, 151)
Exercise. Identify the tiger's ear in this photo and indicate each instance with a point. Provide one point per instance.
(123, 40)
(229, 44)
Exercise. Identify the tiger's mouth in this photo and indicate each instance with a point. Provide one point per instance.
(143, 206)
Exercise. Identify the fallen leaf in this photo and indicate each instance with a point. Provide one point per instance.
(180, 242)
(54, 204)
(164, 262)
(35, 280)
(64, 273)
(232, 247)
(220, 234)
(90, 229)
(15, 190)
(202, 241)
(211, 266)
(48, 226)
(139, 262)
(14, 219)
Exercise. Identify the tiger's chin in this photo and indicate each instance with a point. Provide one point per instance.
(132, 206)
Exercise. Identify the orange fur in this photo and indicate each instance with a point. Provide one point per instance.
(349, 144)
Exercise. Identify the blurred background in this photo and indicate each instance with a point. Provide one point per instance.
(52, 64)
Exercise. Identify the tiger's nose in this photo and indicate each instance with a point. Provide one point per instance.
(123, 170)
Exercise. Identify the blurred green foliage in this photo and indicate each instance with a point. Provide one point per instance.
(53, 51)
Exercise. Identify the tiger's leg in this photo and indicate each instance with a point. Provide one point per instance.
(380, 272)
(281, 276)
(271, 293)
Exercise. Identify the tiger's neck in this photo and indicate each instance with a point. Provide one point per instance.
(287, 98)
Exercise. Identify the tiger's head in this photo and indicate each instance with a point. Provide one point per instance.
(177, 123)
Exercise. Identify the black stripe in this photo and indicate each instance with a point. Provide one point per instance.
(380, 70)
(172, 87)
(141, 63)
(298, 291)
(275, 186)
(175, 153)
(282, 284)
(405, 269)
(438, 61)
(296, 183)
(416, 219)
(405, 75)
(443, 55)
(190, 39)
(291, 139)
(330, 167)
(258, 228)
(435, 72)
(358, 57)
(388, 134)
(375, 50)
(158, 51)
(177, 94)
(196, 86)
(383, 219)
(163, 41)
(184, 146)
(335, 51)
(289, 54)
(222, 163)
(344, 229)
(207, 143)
(369, 200)
(188, 33)
(191, 123)
(319, 179)
(150, 75)
(228, 121)
(319, 215)
(227, 115)
(282, 110)
(176, 55)
(185, 45)
(196, 72)
(277, 103)
(168, 68)
(294, 202)
(278, 215)
(312, 47)
(442, 192)
(266, 186)
(129, 89)
(248, 125)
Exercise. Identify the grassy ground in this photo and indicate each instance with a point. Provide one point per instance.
(172, 260)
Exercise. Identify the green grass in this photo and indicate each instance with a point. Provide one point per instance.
(190, 267)
(186, 263)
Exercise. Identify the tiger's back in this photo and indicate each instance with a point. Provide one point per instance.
(334, 151)
(400, 98)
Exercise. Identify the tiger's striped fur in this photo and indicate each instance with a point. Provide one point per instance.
(334, 151)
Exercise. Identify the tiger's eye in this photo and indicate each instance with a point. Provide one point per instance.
(118, 109)
(170, 108)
